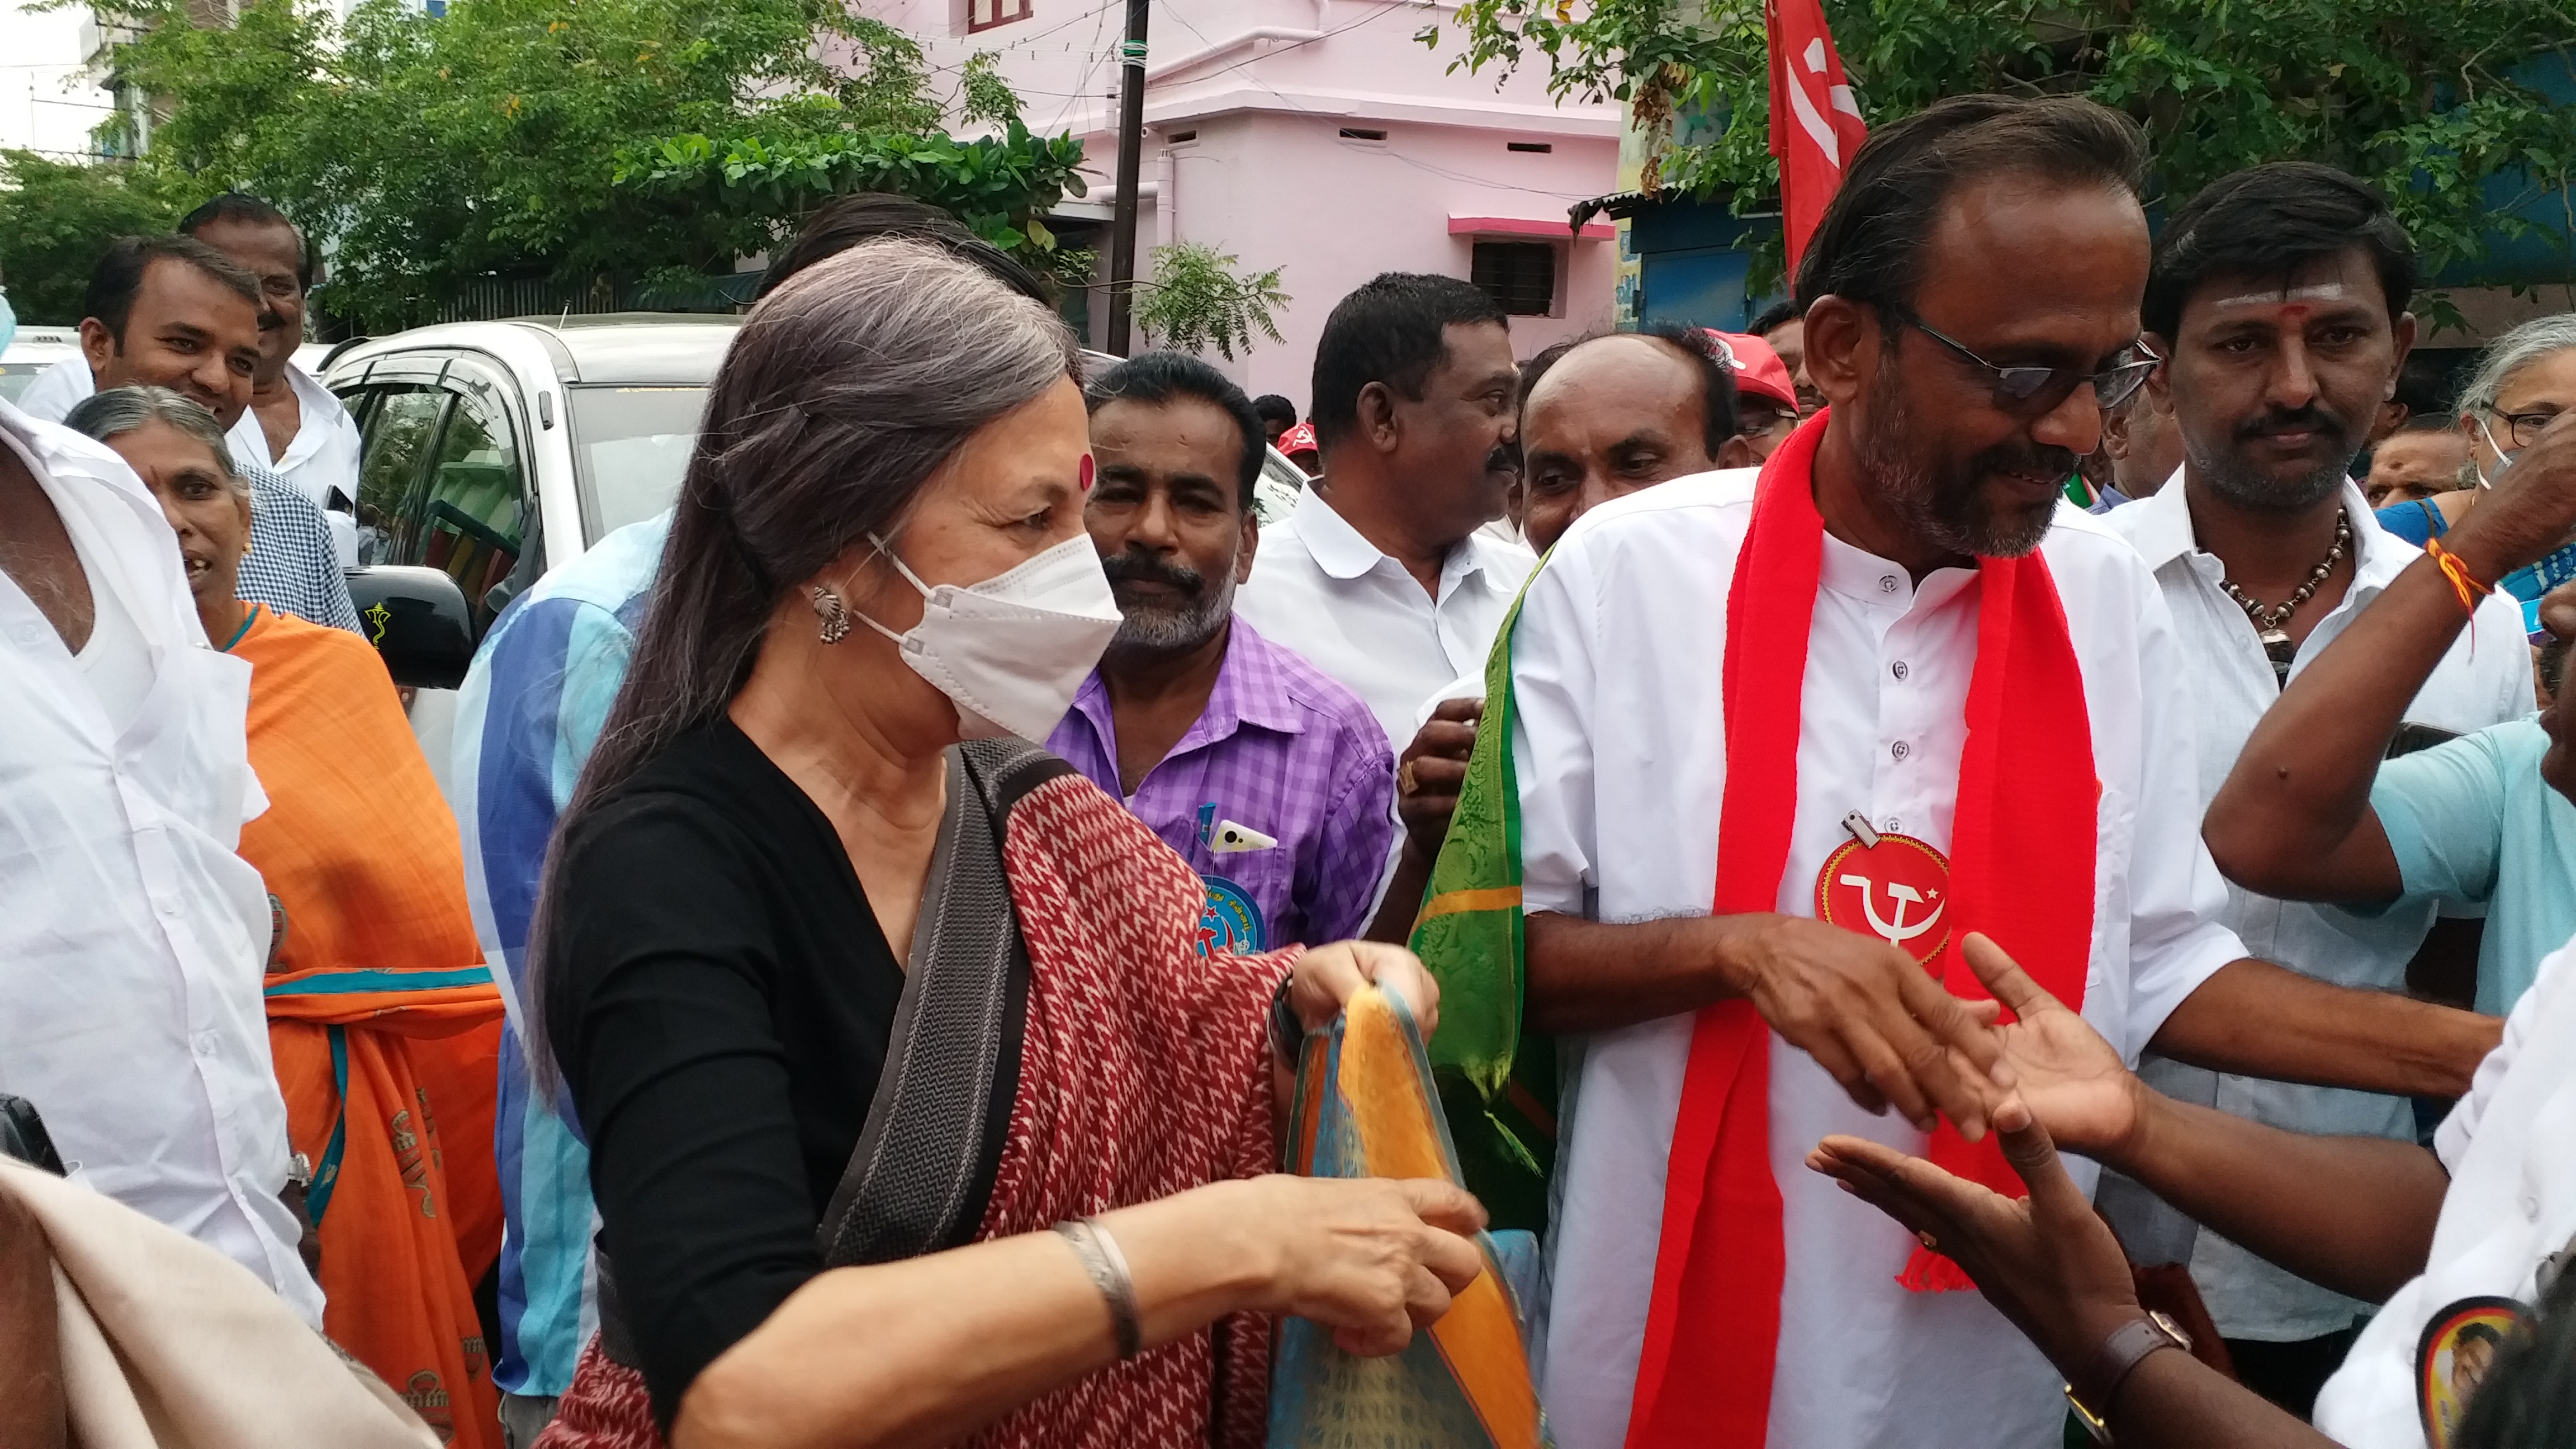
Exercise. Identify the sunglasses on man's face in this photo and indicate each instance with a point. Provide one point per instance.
(2037, 391)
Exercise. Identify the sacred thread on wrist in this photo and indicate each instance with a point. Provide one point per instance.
(2465, 585)
(1108, 1270)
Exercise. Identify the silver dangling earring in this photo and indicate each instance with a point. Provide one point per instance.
(835, 616)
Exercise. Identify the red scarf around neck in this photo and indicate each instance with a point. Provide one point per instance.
(2021, 870)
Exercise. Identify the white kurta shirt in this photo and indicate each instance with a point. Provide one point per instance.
(2510, 1147)
(1320, 588)
(2228, 683)
(1619, 743)
(323, 457)
(132, 938)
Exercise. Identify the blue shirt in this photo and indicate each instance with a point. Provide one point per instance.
(2416, 520)
(2472, 821)
(530, 710)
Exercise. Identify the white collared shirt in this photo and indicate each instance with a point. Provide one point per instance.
(323, 457)
(2228, 682)
(324, 453)
(132, 938)
(2510, 1147)
(1619, 746)
(1321, 589)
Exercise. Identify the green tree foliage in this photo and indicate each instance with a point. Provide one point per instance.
(500, 138)
(997, 185)
(55, 218)
(1197, 301)
(2418, 96)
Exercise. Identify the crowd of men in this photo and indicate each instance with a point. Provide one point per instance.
(2014, 540)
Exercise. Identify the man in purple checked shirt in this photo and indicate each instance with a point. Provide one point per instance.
(1272, 781)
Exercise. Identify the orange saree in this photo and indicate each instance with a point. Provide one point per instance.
(383, 1020)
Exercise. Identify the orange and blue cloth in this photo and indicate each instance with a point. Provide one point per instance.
(1365, 1109)
(383, 1021)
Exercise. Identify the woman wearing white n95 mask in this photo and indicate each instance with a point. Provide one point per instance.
(914, 1113)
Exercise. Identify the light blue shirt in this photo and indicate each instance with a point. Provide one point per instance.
(2472, 821)
(530, 710)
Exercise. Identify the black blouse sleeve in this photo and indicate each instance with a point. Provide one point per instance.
(659, 1006)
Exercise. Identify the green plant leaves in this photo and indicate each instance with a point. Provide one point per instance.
(2433, 101)
(1197, 302)
(633, 140)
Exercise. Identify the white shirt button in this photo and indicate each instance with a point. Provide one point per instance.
(1898, 669)
(1887, 583)
(167, 904)
(1900, 749)
(2531, 1207)
(26, 634)
(1893, 825)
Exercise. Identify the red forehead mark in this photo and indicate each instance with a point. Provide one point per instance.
(1086, 472)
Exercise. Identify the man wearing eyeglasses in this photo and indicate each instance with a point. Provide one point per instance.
(1780, 744)
(2278, 298)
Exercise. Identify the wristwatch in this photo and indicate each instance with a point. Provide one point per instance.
(2110, 1365)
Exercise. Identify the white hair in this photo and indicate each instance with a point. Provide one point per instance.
(2524, 345)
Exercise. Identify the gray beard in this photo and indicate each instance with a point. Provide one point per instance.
(1949, 515)
(1173, 631)
(2263, 495)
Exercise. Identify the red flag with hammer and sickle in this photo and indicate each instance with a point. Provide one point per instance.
(1815, 123)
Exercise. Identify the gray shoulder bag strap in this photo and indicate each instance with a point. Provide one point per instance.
(920, 1176)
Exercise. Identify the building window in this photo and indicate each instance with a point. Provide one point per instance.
(985, 14)
(1520, 276)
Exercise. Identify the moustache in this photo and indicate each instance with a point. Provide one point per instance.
(2030, 461)
(2306, 418)
(270, 321)
(1506, 458)
(1145, 568)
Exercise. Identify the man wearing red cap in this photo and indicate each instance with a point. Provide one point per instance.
(1766, 398)
(1298, 446)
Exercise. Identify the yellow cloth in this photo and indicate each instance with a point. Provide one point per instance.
(381, 1016)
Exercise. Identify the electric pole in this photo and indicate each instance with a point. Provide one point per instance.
(1131, 139)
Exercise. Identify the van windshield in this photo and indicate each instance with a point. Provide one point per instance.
(630, 447)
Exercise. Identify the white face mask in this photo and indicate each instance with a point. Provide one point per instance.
(2504, 459)
(1012, 651)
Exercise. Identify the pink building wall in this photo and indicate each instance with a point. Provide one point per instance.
(1244, 113)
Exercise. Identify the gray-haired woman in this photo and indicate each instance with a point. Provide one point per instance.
(177, 449)
(2525, 378)
(858, 994)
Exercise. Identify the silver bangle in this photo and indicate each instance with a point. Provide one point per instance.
(1107, 1268)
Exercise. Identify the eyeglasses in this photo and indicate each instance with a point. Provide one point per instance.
(2033, 391)
(2522, 428)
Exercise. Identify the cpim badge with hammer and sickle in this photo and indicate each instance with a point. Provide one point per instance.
(1912, 878)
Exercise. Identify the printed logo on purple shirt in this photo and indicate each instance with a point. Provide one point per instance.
(1231, 924)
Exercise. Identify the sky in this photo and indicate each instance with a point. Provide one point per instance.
(38, 52)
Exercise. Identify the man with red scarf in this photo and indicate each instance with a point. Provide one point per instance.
(1780, 744)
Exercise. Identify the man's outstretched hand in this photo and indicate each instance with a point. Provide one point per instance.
(2047, 1262)
(2067, 1077)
